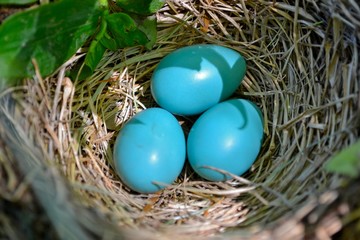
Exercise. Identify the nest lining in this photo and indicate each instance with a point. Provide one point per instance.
(302, 72)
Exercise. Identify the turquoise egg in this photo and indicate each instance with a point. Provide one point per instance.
(150, 149)
(192, 79)
(227, 136)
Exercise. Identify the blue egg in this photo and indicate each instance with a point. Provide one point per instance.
(227, 136)
(150, 148)
(192, 79)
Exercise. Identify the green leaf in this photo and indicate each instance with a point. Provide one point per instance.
(109, 42)
(17, 2)
(94, 55)
(141, 7)
(346, 162)
(50, 34)
(123, 29)
(148, 26)
(96, 49)
(104, 4)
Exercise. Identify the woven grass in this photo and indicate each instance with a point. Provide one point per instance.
(303, 72)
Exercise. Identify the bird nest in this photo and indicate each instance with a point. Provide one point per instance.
(302, 71)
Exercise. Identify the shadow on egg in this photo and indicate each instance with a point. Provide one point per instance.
(239, 106)
(194, 78)
(228, 137)
(211, 54)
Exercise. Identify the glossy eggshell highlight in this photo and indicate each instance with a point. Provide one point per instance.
(150, 148)
(192, 79)
(227, 136)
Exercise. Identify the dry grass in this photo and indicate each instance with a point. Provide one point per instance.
(302, 71)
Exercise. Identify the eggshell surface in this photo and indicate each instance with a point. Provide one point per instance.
(194, 78)
(227, 136)
(150, 148)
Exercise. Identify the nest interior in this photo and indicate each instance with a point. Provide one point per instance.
(302, 71)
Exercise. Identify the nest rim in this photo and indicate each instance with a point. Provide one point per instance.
(309, 106)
